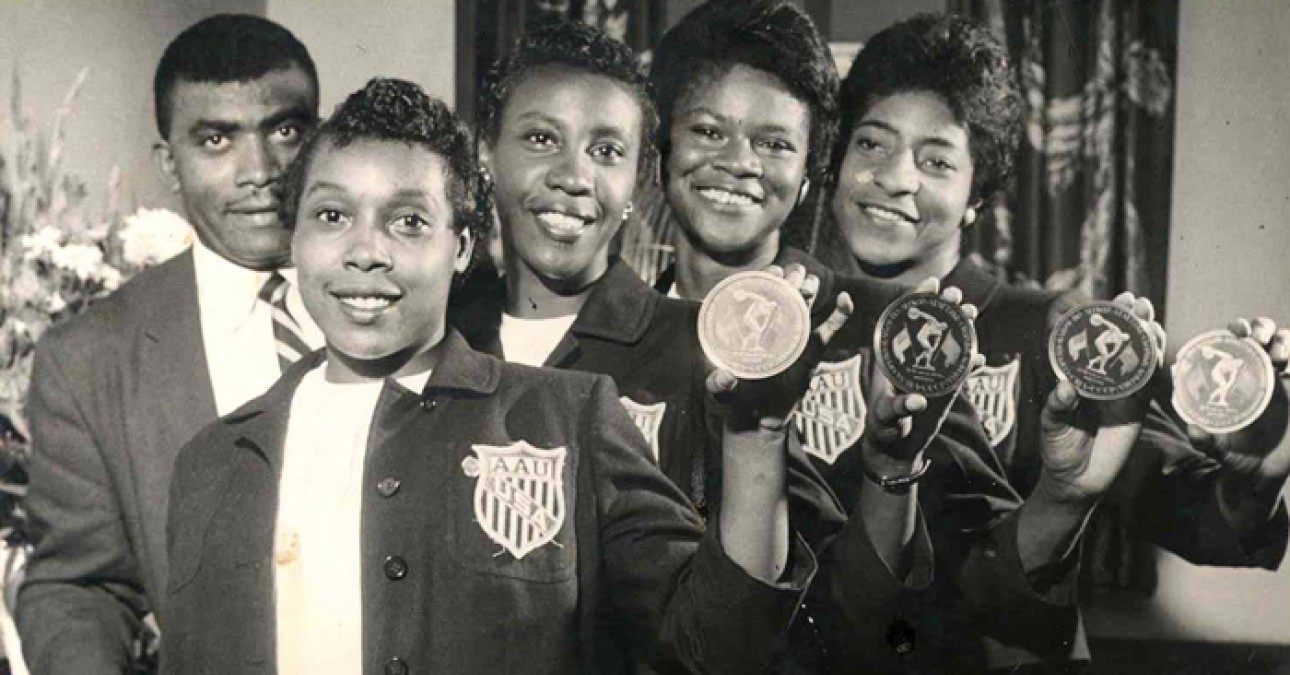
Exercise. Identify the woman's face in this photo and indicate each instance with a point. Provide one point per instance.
(564, 166)
(737, 160)
(905, 181)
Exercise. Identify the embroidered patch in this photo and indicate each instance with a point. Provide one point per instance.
(831, 413)
(519, 494)
(649, 419)
(993, 391)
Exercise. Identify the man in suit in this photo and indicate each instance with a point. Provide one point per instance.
(117, 391)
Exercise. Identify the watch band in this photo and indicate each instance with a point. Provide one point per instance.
(898, 485)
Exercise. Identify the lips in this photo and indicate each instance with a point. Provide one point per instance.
(726, 197)
(561, 224)
(886, 215)
(365, 304)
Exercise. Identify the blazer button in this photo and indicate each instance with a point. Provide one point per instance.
(388, 486)
(429, 404)
(396, 666)
(395, 567)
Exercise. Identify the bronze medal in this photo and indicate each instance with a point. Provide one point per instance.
(754, 324)
(1102, 349)
(1222, 383)
(924, 344)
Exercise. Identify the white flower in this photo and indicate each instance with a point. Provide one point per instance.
(44, 242)
(110, 277)
(83, 260)
(152, 236)
(57, 303)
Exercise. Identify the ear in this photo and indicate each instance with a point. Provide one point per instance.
(485, 153)
(803, 191)
(465, 247)
(164, 159)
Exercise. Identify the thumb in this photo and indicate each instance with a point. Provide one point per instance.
(720, 381)
(1059, 409)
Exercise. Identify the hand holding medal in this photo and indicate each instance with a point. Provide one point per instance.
(1104, 353)
(755, 328)
(925, 347)
(1230, 387)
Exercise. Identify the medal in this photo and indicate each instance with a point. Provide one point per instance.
(924, 344)
(1102, 349)
(1222, 383)
(754, 324)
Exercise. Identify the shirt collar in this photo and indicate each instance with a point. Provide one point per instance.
(226, 292)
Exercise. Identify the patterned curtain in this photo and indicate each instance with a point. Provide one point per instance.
(1090, 204)
(1089, 207)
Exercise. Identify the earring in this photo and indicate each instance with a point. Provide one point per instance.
(627, 210)
(484, 174)
(969, 216)
(803, 191)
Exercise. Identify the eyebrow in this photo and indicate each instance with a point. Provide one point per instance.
(406, 194)
(934, 140)
(725, 119)
(225, 126)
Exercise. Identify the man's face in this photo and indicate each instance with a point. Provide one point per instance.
(565, 167)
(229, 145)
(376, 251)
(737, 161)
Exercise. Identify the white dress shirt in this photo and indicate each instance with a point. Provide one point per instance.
(237, 328)
(317, 542)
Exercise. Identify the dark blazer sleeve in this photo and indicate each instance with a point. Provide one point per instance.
(1175, 502)
(82, 584)
(672, 580)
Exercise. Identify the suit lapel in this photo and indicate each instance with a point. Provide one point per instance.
(171, 396)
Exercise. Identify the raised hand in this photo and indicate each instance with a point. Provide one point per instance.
(899, 426)
(767, 403)
(1256, 459)
(1084, 442)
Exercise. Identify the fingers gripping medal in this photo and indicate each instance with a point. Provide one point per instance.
(1222, 383)
(754, 324)
(924, 344)
(1102, 349)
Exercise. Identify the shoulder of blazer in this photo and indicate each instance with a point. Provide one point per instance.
(159, 296)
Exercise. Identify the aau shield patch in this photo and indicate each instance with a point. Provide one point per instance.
(519, 494)
(648, 418)
(831, 413)
(993, 391)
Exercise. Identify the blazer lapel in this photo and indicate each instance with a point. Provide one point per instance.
(171, 395)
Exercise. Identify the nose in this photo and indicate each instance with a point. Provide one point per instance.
(897, 174)
(367, 248)
(738, 159)
(257, 163)
(570, 175)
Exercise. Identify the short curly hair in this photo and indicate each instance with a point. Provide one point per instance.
(570, 44)
(957, 60)
(772, 36)
(225, 48)
(399, 111)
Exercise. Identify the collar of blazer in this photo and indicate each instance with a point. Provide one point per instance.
(261, 424)
(979, 286)
(620, 307)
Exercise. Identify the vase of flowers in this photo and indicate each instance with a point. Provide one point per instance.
(57, 256)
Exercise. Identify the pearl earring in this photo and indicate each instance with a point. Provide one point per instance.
(969, 216)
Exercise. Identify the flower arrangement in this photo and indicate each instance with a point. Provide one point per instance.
(56, 257)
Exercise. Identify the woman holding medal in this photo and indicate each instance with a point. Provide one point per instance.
(747, 104)
(566, 127)
(930, 123)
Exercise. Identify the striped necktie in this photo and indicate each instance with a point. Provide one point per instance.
(286, 332)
